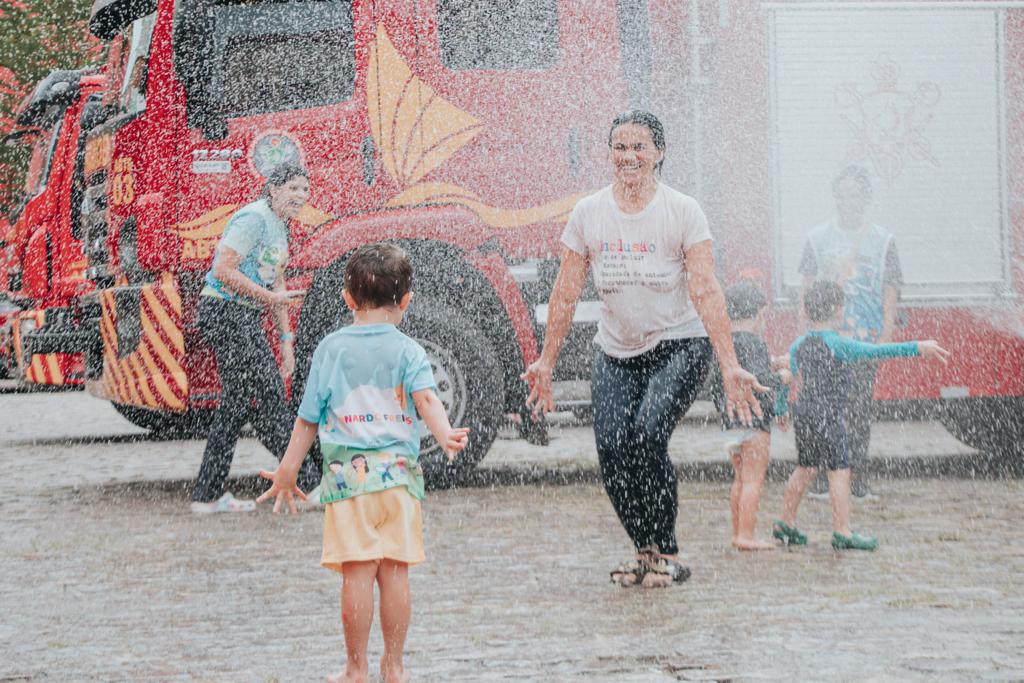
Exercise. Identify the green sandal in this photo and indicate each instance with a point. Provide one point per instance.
(853, 542)
(789, 535)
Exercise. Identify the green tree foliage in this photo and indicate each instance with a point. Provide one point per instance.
(36, 37)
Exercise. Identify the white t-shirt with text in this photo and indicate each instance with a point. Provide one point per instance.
(639, 267)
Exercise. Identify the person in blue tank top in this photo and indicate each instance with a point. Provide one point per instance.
(246, 282)
(823, 360)
(861, 257)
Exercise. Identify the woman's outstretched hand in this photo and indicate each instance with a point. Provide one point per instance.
(283, 488)
(538, 377)
(740, 402)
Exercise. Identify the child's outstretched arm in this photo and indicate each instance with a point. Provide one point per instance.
(430, 408)
(283, 486)
(849, 350)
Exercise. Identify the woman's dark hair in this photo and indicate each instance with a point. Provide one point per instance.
(856, 173)
(822, 300)
(378, 275)
(648, 121)
(281, 175)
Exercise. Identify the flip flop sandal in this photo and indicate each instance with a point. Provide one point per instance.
(628, 574)
(665, 572)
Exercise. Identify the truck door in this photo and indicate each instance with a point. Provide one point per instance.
(31, 224)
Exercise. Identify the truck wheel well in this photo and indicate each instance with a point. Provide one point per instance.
(441, 274)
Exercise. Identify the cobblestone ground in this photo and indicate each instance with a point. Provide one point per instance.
(104, 575)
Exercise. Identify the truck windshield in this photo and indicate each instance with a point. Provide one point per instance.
(278, 56)
(498, 34)
(42, 160)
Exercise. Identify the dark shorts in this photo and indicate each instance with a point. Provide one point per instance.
(821, 443)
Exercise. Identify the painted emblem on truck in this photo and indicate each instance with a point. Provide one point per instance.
(888, 123)
(272, 150)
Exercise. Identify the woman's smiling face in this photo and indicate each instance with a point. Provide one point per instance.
(633, 154)
(286, 200)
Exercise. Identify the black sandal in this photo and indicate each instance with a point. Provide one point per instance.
(634, 568)
(663, 567)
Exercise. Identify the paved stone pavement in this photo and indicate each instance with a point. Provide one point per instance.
(105, 576)
(46, 423)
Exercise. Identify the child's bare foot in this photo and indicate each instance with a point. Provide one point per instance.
(394, 674)
(751, 544)
(348, 676)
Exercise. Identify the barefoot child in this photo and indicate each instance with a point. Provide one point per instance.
(824, 359)
(748, 446)
(363, 381)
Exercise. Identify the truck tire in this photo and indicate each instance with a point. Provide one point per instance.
(469, 384)
(458, 350)
(192, 424)
(992, 425)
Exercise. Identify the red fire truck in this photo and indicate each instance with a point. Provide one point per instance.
(467, 131)
(42, 241)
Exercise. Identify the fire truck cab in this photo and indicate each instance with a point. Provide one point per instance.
(45, 260)
(464, 131)
(467, 131)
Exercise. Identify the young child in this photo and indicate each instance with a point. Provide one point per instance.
(362, 383)
(748, 446)
(823, 358)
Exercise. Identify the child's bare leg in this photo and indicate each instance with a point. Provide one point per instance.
(356, 619)
(796, 487)
(734, 492)
(754, 465)
(395, 613)
(839, 493)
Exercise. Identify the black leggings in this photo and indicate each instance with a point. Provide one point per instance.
(637, 402)
(251, 390)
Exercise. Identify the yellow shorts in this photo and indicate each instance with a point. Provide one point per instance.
(374, 526)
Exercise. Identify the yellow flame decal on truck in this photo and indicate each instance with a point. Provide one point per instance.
(417, 131)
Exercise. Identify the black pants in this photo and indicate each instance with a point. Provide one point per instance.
(637, 403)
(251, 391)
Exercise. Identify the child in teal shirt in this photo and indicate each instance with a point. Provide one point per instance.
(822, 359)
(369, 386)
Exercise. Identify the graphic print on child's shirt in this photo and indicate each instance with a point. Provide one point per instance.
(369, 413)
(359, 392)
(638, 265)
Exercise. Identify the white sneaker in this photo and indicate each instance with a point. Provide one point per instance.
(226, 503)
(312, 500)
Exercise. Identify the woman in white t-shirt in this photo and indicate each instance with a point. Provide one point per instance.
(662, 312)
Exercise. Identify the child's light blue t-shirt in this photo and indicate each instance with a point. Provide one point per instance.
(261, 238)
(359, 392)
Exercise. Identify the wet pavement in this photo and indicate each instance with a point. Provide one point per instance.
(104, 575)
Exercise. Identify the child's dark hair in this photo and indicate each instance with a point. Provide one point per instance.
(378, 275)
(744, 300)
(822, 300)
(649, 121)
